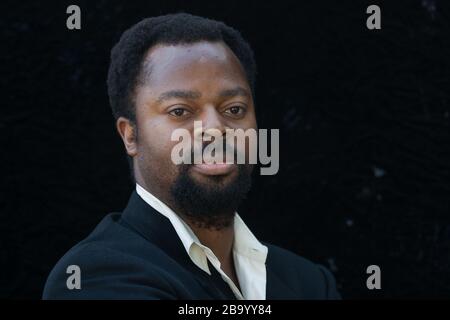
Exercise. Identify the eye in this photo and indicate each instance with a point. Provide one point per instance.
(179, 112)
(235, 110)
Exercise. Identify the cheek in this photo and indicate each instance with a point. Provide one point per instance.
(251, 145)
(155, 148)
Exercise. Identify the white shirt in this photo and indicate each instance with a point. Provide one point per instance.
(248, 253)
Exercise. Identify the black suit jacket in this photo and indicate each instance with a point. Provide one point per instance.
(138, 255)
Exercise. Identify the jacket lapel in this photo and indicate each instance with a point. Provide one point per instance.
(157, 229)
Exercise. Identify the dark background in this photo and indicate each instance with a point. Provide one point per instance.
(363, 118)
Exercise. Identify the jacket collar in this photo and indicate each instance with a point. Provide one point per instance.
(157, 229)
(154, 227)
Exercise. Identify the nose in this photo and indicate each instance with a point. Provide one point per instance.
(211, 119)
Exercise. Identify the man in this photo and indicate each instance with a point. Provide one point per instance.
(180, 236)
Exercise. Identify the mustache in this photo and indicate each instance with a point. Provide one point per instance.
(224, 150)
(224, 153)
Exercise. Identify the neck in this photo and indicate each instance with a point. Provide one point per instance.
(219, 241)
(207, 236)
(221, 244)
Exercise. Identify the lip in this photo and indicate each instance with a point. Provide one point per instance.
(214, 169)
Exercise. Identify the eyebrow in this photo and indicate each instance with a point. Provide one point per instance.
(188, 94)
(183, 94)
(238, 91)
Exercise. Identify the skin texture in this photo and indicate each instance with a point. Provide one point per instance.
(200, 81)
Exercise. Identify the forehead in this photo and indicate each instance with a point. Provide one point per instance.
(185, 65)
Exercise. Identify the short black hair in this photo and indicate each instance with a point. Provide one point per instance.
(180, 28)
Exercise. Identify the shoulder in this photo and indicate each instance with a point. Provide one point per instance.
(308, 279)
(106, 263)
(288, 261)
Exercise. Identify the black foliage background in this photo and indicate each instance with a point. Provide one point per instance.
(363, 117)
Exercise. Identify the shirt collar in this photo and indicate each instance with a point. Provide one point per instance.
(187, 236)
(245, 243)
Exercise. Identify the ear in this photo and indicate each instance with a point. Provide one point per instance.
(127, 132)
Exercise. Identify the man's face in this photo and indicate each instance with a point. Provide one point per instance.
(204, 82)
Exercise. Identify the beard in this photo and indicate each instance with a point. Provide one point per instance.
(211, 204)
